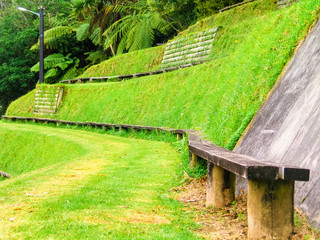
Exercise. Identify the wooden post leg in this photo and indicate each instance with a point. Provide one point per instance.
(270, 209)
(194, 160)
(220, 186)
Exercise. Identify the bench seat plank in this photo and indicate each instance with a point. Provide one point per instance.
(243, 165)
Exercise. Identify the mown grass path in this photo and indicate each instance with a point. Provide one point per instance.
(117, 188)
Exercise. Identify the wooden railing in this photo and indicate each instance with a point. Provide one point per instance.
(270, 195)
(129, 76)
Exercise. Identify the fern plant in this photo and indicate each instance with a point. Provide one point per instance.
(52, 37)
(96, 16)
(95, 57)
(136, 31)
(58, 65)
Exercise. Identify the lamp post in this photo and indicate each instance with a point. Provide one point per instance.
(41, 33)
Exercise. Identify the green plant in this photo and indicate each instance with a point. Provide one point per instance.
(297, 219)
(137, 31)
(241, 216)
(138, 61)
(57, 65)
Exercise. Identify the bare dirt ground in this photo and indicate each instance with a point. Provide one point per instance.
(229, 222)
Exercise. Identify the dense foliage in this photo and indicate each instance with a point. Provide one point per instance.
(15, 60)
(18, 32)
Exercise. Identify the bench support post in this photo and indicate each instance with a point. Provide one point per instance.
(194, 160)
(270, 209)
(220, 186)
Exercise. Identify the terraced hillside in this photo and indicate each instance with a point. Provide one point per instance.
(251, 49)
(254, 43)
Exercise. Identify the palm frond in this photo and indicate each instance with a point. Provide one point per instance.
(73, 72)
(95, 37)
(102, 17)
(51, 61)
(83, 32)
(143, 35)
(81, 8)
(117, 30)
(136, 30)
(51, 73)
(51, 37)
(122, 45)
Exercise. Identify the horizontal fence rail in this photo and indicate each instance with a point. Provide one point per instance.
(134, 75)
(235, 5)
(180, 132)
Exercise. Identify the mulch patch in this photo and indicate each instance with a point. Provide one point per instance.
(229, 222)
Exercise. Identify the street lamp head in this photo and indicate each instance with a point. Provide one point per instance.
(22, 9)
(26, 10)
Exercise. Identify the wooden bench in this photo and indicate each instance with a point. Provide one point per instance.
(270, 199)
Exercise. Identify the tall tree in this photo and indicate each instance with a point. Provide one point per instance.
(15, 60)
(18, 32)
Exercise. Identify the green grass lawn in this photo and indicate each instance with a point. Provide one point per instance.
(135, 62)
(96, 186)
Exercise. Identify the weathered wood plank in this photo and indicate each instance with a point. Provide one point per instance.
(243, 165)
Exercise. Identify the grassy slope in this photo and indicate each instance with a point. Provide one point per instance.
(218, 97)
(117, 188)
(134, 62)
(23, 155)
